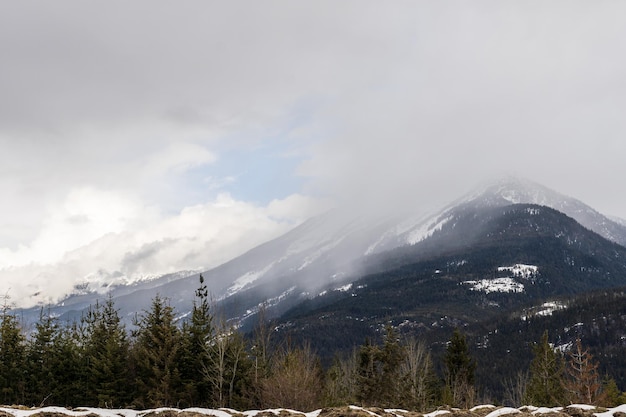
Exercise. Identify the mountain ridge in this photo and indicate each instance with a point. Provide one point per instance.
(331, 251)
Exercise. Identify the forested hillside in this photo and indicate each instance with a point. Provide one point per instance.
(201, 360)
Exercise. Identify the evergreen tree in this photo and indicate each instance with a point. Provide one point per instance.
(459, 368)
(40, 360)
(368, 378)
(379, 371)
(12, 359)
(611, 397)
(67, 368)
(545, 387)
(107, 355)
(197, 334)
(155, 355)
(392, 357)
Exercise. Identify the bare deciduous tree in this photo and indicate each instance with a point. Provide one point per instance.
(584, 384)
(515, 389)
(295, 380)
(417, 372)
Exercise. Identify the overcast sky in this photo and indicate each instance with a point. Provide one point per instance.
(147, 137)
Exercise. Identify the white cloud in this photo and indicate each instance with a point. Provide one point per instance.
(85, 215)
(98, 237)
(176, 158)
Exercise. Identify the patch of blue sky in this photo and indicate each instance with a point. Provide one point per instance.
(257, 175)
(266, 169)
(261, 169)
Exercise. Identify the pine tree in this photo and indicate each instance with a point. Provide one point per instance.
(459, 368)
(67, 368)
(12, 359)
(40, 360)
(545, 386)
(584, 385)
(368, 377)
(107, 355)
(155, 354)
(379, 379)
(392, 356)
(611, 397)
(196, 335)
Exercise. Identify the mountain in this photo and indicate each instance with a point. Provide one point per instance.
(332, 252)
(482, 264)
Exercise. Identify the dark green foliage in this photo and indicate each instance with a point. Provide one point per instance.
(379, 371)
(369, 372)
(155, 356)
(68, 370)
(459, 364)
(12, 359)
(207, 362)
(546, 384)
(196, 336)
(459, 372)
(106, 350)
(41, 360)
(54, 364)
(612, 396)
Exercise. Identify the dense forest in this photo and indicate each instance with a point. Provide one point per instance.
(201, 360)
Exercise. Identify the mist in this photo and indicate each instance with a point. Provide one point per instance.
(152, 138)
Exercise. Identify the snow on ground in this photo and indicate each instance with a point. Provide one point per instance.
(437, 413)
(611, 412)
(520, 270)
(546, 309)
(582, 406)
(526, 411)
(496, 285)
(547, 410)
(506, 284)
(504, 411)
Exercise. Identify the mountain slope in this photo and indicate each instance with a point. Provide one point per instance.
(482, 264)
(333, 250)
(502, 193)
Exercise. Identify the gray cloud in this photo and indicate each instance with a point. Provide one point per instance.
(389, 104)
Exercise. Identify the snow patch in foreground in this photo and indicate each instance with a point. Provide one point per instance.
(503, 412)
(226, 412)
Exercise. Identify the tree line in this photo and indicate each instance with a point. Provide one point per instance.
(203, 361)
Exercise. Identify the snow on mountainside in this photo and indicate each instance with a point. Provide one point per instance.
(520, 191)
(102, 282)
(510, 284)
(329, 251)
(501, 193)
